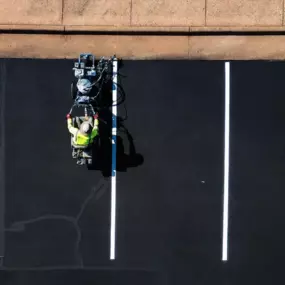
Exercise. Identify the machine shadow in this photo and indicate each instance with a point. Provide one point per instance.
(102, 150)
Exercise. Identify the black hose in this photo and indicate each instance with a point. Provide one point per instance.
(121, 93)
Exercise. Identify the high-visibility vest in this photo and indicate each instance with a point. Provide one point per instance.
(79, 138)
(83, 140)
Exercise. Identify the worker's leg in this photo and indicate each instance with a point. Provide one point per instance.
(80, 161)
(74, 153)
(74, 150)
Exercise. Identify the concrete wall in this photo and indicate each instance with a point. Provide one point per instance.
(137, 15)
(197, 14)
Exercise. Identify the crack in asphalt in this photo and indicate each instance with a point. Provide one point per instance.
(99, 190)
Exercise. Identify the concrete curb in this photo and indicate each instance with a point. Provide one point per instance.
(144, 47)
(31, 27)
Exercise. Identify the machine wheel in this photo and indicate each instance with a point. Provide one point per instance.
(73, 91)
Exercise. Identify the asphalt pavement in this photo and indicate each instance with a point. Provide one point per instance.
(257, 173)
(170, 167)
(52, 205)
(170, 206)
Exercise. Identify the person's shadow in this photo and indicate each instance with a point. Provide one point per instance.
(104, 154)
(108, 148)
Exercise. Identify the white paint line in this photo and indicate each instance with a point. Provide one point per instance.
(226, 163)
(113, 219)
(114, 153)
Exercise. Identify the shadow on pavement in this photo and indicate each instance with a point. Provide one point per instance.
(125, 158)
(102, 152)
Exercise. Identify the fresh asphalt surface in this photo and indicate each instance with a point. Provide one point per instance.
(47, 221)
(169, 180)
(170, 207)
(257, 179)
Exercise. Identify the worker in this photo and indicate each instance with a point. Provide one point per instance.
(86, 133)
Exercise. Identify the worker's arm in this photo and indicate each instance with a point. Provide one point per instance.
(96, 123)
(95, 128)
(71, 129)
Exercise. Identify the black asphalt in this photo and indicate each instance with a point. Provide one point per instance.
(170, 207)
(48, 222)
(257, 173)
(169, 176)
(2, 160)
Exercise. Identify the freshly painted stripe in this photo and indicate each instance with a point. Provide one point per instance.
(114, 154)
(226, 163)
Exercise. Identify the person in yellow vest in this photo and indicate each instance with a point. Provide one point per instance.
(85, 135)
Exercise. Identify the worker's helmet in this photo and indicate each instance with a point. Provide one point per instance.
(84, 86)
(85, 128)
